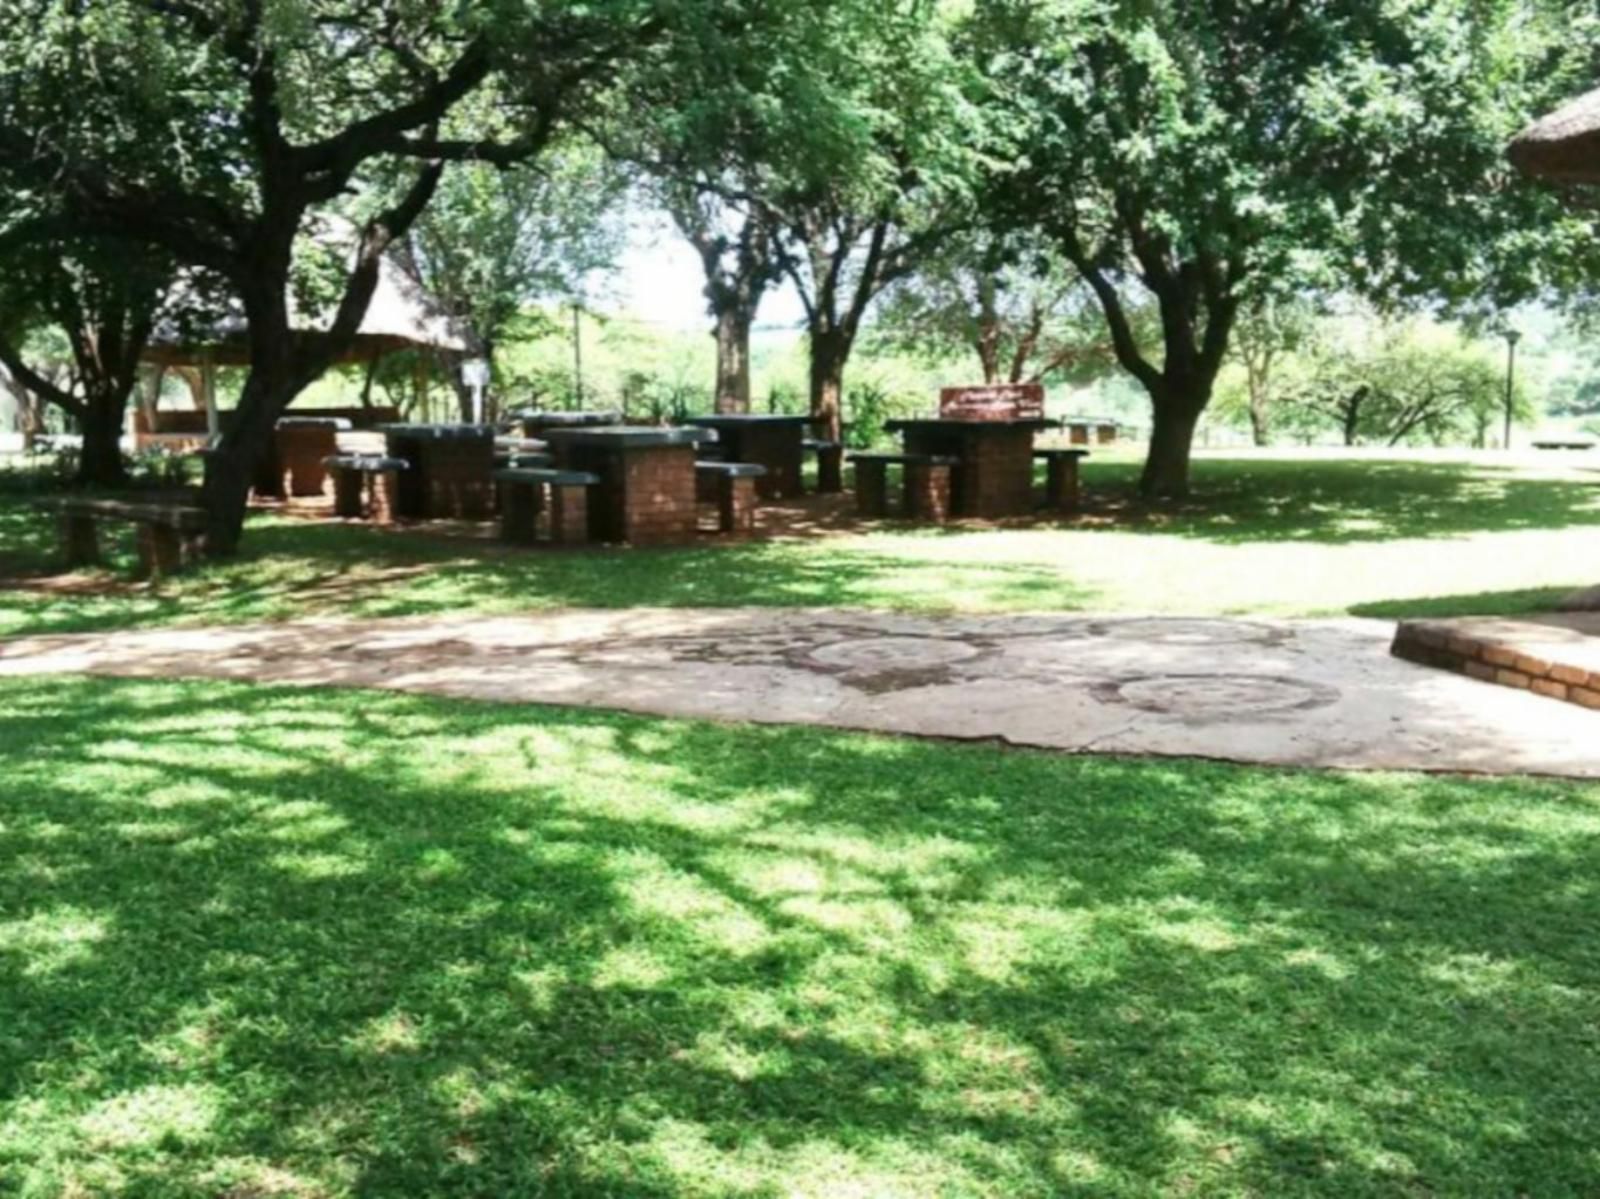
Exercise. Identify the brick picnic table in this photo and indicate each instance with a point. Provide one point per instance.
(646, 494)
(994, 475)
(536, 423)
(774, 441)
(452, 470)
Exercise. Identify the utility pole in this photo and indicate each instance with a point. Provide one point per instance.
(577, 353)
(1512, 337)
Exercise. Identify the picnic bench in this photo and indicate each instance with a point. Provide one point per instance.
(734, 486)
(1574, 443)
(168, 532)
(366, 486)
(1061, 489)
(927, 483)
(522, 491)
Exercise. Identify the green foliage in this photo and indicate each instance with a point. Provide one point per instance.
(1401, 385)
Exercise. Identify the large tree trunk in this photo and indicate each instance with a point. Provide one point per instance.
(1176, 415)
(100, 463)
(733, 359)
(829, 353)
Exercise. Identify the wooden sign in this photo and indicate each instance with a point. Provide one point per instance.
(1002, 401)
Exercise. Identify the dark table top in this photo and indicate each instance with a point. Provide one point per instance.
(568, 420)
(441, 432)
(627, 436)
(955, 424)
(749, 418)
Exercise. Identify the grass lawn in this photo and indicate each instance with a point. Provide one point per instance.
(1279, 536)
(258, 942)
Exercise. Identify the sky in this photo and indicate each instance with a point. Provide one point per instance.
(660, 282)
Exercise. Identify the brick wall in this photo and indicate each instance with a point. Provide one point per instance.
(1493, 661)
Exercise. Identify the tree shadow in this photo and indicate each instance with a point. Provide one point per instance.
(347, 942)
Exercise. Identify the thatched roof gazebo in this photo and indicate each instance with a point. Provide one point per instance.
(400, 316)
(1564, 147)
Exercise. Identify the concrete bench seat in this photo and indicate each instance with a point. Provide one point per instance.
(1576, 443)
(927, 484)
(522, 490)
(733, 486)
(168, 533)
(1061, 488)
(366, 486)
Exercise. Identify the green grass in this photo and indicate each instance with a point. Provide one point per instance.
(262, 942)
(1267, 536)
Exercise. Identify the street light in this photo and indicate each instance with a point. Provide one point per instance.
(1512, 338)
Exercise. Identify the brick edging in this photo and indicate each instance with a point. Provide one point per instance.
(1492, 660)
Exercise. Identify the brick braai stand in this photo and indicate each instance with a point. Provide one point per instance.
(995, 475)
(452, 469)
(775, 442)
(646, 494)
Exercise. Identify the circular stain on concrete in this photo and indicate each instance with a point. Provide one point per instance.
(1218, 697)
(1165, 630)
(891, 655)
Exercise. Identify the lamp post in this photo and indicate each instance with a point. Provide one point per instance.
(1512, 338)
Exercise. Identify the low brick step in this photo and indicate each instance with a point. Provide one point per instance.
(1555, 655)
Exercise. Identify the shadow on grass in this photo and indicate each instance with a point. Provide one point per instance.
(290, 567)
(258, 941)
(1240, 501)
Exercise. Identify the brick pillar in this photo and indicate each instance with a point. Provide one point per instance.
(347, 487)
(301, 450)
(160, 551)
(569, 514)
(519, 512)
(383, 497)
(736, 505)
(830, 469)
(1061, 483)
(872, 488)
(928, 492)
(79, 540)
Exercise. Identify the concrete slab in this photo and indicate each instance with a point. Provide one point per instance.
(1299, 693)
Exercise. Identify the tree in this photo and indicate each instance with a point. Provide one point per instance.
(217, 132)
(739, 257)
(495, 242)
(1270, 330)
(103, 302)
(1208, 154)
(1026, 317)
(1403, 386)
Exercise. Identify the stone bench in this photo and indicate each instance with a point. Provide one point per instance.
(830, 462)
(522, 491)
(734, 488)
(366, 486)
(1576, 443)
(168, 533)
(927, 484)
(1061, 488)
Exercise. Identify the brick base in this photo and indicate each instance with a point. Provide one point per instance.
(520, 504)
(736, 505)
(569, 515)
(1503, 652)
(928, 493)
(1061, 491)
(830, 470)
(872, 488)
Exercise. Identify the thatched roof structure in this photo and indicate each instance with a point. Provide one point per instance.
(1565, 145)
(401, 317)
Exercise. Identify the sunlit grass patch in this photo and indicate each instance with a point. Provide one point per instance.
(468, 949)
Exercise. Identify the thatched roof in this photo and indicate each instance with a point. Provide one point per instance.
(1564, 145)
(401, 316)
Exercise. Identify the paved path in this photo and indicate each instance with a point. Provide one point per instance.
(1304, 693)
